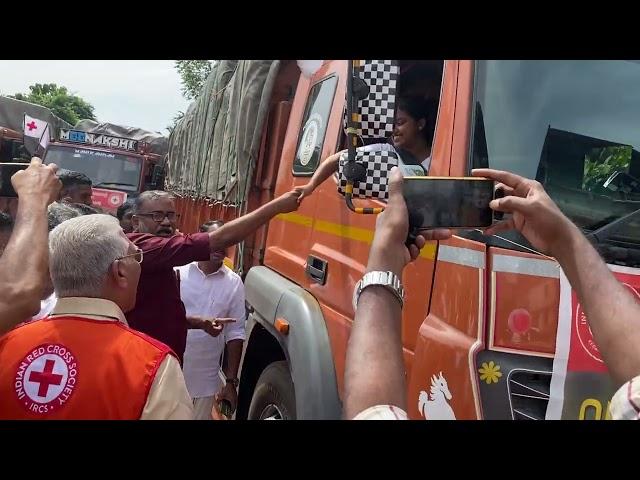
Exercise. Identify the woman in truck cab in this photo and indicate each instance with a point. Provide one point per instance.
(411, 141)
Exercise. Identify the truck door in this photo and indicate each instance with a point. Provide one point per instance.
(311, 136)
(341, 241)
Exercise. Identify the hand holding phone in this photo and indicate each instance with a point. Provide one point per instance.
(448, 202)
(33, 181)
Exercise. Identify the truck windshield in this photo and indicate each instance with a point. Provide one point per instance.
(571, 125)
(106, 169)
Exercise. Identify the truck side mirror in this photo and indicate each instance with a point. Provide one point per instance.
(378, 165)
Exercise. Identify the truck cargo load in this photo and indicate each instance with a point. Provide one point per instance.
(213, 150)
(158, 143)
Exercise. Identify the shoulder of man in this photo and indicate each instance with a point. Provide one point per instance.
(157, 344)
(146, 238)
(231, 275)
(184, 269)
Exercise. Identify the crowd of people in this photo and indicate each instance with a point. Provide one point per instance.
(99, 323)
(125, 317)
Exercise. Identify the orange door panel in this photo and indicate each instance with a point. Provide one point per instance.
(524, 302)
(443, 384)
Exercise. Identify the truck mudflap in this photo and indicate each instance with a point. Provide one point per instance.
(306, 345)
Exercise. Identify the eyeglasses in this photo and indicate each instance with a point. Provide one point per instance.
(160, 216)
(138, 256)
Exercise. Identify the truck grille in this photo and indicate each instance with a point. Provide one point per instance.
(528, 394)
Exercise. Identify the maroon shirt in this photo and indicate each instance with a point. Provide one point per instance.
(159, 312)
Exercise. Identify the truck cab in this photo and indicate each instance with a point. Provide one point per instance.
(118, 167)
(481, 313)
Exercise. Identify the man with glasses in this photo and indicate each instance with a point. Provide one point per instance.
(159, 311)
(83, 361)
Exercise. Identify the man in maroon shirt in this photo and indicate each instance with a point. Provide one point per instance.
(159, 312)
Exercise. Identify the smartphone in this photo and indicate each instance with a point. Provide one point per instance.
(448, 202)
(6, 172)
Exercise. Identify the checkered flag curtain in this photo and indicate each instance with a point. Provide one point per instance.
(376, 113)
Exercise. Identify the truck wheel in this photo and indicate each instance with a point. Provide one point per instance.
(274, 397)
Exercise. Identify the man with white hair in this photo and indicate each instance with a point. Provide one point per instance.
(57, 213)
(83, 361)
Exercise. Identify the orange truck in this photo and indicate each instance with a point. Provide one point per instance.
(481, 313)
(119, 163)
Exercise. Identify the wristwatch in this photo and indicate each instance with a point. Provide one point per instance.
(388, 280)
(233, 381)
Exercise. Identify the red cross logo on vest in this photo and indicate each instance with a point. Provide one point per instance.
(46, 378)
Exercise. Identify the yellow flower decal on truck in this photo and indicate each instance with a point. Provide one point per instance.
(490, 372)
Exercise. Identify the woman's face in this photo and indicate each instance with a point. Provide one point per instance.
(406, 130)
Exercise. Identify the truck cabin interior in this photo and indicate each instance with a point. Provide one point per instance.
(593, 180)
(418, 78)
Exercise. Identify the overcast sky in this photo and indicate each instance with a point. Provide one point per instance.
(136, 93)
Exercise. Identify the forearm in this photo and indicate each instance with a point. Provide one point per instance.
(195, 322)
(233, 356)
(325, 170)
(240, 228)
(375, 374)
(24, 265)
(612, 311)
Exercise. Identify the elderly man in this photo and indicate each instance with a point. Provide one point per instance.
(83, 361)
(76, 187)
(159, 311)
(26, 254)
(57, 213)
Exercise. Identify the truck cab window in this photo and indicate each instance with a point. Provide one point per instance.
(314, 126)
(572, 125)
(106, 169)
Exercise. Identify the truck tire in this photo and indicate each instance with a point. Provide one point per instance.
(274, 397)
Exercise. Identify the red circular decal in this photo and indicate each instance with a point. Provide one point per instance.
(584, 330)
(519, 321)
(46, 378)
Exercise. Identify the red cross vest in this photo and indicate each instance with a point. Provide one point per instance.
(73, 368)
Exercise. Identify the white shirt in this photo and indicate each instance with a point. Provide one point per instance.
(46, 306)
(625, 404)
(218, 295)
(387, 147)
(382, 412)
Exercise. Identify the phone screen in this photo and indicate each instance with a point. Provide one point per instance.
(6, 172)
(441, 202)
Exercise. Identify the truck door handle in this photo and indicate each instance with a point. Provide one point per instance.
(317, 269)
